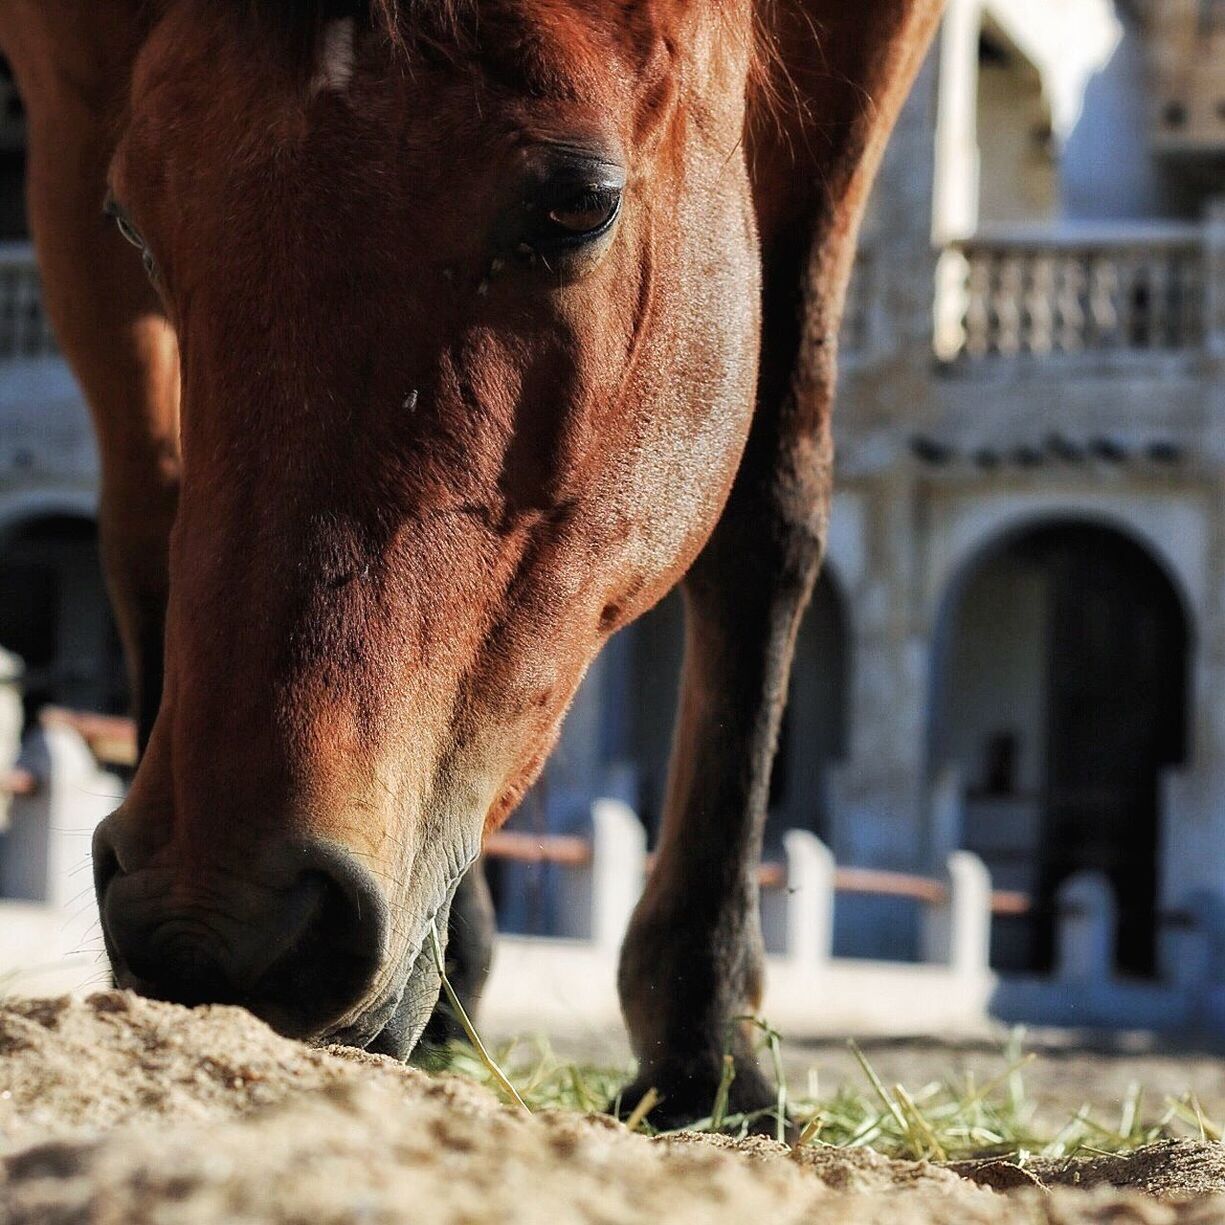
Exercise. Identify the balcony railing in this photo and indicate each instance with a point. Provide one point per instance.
(24, 329)
(1138, 292)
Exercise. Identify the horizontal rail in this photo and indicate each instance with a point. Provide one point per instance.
(881, 883)
(568, 850)
(575, 851)
(111, 738)
(772, 875)
(1010, 903)
(20, 782)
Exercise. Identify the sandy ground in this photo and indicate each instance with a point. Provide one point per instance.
(117, 1111)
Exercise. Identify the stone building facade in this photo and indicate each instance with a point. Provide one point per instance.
(1018, 645)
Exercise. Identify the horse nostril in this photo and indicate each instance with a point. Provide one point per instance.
(336, 956)
(299, 945)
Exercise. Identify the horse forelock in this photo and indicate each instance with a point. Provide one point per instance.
(403, 23)
(396, 20)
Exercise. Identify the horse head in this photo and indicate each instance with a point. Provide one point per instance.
(467, 306)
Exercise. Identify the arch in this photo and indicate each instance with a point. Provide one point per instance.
(995, 528)
(56, 615)
(1059, 691)
(21, 507)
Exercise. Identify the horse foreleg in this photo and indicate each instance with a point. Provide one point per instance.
(691, 965)
(107, 317)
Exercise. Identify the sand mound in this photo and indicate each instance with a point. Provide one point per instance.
(118, 1111)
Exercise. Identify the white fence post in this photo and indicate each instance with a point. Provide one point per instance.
(1088, 917)
(1186, 942)
(48, 843)
(10, 722)
(618, 870)
(957, 931)
(810, 900)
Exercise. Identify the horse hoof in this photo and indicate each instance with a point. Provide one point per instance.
(691, 1101)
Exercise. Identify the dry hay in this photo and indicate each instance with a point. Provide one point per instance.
(118, 1111)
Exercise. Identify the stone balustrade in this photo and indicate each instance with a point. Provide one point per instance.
(1138, 292)
(25, 331)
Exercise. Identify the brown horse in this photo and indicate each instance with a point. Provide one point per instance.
(465, 331)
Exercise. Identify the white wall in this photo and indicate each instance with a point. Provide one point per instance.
(1106, 169)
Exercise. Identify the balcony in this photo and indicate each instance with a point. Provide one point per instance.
(1032, 300)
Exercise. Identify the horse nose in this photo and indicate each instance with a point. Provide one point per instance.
(298, 938)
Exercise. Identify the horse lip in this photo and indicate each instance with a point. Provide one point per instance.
(366, 1026)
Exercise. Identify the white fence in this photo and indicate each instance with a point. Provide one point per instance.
(50, 941)
(569, 982)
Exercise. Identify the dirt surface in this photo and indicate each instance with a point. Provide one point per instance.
(117, 1110)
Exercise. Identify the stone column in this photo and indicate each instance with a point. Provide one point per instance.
(877, 793)
(1214, 280)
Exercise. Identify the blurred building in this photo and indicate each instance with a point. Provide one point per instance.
(1019, 641)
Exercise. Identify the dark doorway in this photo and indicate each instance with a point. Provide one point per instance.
(55, 615)
(811, 739)
(1065, 700)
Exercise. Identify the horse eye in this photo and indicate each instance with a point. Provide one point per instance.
(578, 217)
(113, 210)
(588, 213)
(128, 230)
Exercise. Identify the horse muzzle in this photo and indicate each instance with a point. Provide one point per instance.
(299, 936)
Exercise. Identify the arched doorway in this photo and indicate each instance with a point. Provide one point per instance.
(1061, 698)
(54, 614)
